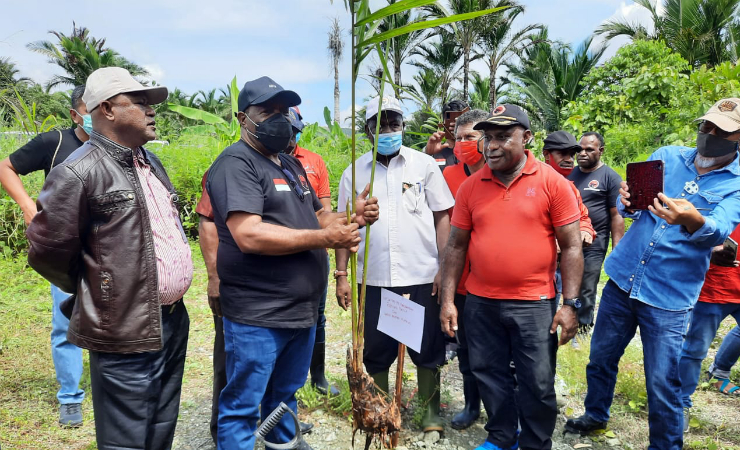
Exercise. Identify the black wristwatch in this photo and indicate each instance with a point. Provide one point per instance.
(574, 302)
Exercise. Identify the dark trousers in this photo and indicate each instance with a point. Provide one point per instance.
(219, 373)
(321, 324)
(499, 331)
(381, 350)
(463, 357)
(592, 262)
(136, 397)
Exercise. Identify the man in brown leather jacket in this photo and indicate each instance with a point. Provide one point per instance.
(108, 231)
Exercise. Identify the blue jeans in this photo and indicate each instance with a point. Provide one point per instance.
(705, 321)
(662, 334)
(263, 366)
(728, 354)
(67, 357)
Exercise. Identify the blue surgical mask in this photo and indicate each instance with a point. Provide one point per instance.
(86, 122)
(389, 143)
(297, 137)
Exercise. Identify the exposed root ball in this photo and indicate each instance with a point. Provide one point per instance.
(373, 412)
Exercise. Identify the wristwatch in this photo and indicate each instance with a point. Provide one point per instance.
(574, 302)
(340, 273)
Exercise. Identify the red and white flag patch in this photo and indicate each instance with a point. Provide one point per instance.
(281, 185)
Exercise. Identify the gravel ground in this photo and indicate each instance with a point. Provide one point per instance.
(334, 432)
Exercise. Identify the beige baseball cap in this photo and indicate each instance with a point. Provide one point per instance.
(725, 114)
(108, 82)
(389, 104)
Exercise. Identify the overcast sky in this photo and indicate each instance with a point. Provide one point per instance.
(196, 44)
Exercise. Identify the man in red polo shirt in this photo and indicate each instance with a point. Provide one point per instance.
(507, 217)
(471, 161)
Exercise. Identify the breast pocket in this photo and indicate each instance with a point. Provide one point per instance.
(708, 202)
(413, 196)
(112, 201)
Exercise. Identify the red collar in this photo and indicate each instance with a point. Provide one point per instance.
(529, 168)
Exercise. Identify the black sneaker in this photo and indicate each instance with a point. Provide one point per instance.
(70, 415)
(306, 427)
(584, 425)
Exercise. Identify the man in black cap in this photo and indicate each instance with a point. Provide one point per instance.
(519, 207)
(599, 186)
(271, 263)
(559, 149)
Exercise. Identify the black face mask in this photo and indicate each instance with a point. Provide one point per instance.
(712, 146)
(274, 133)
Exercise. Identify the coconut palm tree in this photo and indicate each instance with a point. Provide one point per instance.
(335, 48)
(443, 58)
(427, 88)
(699, 30)
(79, 55)
(467, 34)
(550, 76)
(9, 75)
(499, 42)
(400, 48)
(479, 92)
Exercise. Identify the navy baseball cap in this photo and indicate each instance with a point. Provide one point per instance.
(263, 89)
(505, 115)
(561, 141)
(295, 118)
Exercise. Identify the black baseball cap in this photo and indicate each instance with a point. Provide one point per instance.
(561, 140)
(263, 89)
(505, 115)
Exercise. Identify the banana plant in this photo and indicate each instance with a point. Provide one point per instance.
(371, 413)
(227, 132)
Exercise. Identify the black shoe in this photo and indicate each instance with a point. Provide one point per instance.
(583, 425)
(450, 351)
(306, 428)
(318, 377)
(471, 411)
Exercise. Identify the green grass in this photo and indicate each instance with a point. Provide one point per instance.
(28, 405)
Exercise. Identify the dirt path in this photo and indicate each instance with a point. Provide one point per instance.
(718, 416)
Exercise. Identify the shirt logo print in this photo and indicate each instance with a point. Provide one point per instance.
(281, 185)
(531, 192)
(691, 187)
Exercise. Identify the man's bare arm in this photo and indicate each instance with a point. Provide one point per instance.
(326, 202)
(208, 239)
(252, 235)
(442, 228)
(14, 187)
(617, 226)
(571, 268)
(452, 265)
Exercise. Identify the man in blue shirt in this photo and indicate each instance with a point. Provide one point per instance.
(657, 270)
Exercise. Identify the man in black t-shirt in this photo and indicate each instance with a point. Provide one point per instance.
(44, 152)
(442, 151)
(599, 187)
(273, 232)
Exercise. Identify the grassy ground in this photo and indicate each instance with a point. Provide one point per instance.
(28, 408)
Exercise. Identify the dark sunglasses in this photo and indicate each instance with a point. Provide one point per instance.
(294, 184)
(706, 126)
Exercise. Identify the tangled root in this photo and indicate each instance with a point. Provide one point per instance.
(373, 412)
